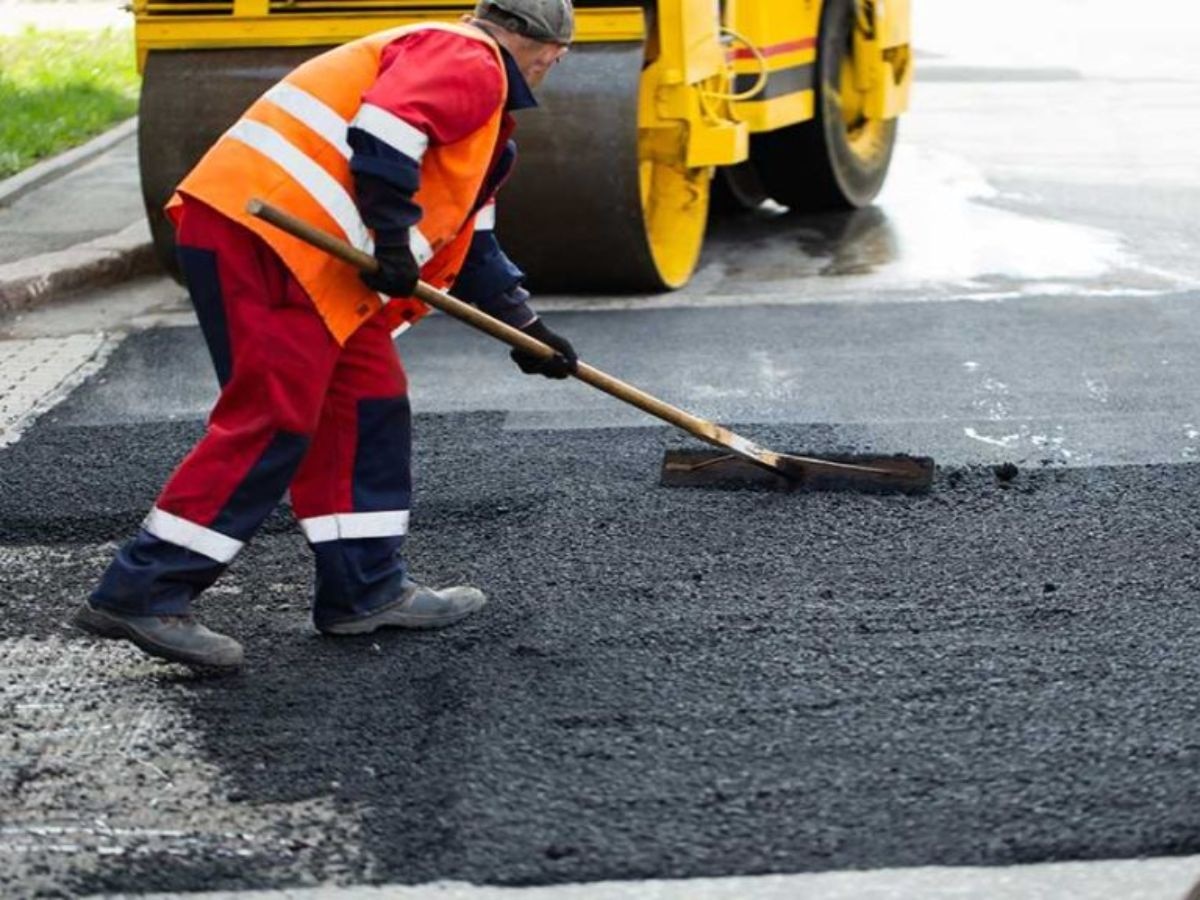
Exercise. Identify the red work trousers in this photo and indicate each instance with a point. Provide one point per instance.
(296, 410)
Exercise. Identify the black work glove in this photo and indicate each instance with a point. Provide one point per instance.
(558, 366)
(398, 270)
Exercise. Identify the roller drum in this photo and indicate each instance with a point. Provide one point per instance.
(189, 97)
(571, 216)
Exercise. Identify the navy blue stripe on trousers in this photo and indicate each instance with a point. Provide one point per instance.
(263, 487)
(355, 576)
(382, 478)
(204, 287)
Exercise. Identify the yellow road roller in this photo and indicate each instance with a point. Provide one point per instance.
(659, 105)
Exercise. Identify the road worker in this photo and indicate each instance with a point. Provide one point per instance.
(396, 142)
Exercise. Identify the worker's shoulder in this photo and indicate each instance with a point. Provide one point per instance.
(445, 47)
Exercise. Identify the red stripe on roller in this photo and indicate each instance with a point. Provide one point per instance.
(774, 49)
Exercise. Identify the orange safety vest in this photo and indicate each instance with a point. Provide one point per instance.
(289, 149)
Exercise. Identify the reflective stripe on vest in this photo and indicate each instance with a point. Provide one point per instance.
(314, 113)
(322, 186)
(485, 219)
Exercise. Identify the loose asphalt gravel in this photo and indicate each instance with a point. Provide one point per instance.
(666, 682)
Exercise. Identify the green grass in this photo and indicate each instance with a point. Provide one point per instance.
(59, 88)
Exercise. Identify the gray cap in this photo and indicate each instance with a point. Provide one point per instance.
(552, 21)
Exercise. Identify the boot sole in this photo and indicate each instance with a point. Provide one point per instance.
(100, 624)
(369, 623)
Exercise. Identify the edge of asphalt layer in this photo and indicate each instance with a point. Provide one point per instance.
(100, 262)
(1162, 878)
(96, 263)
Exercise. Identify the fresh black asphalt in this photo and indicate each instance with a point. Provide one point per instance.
(671, 683)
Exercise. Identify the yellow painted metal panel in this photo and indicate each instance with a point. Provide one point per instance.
(883, 65)
(689, 46)
(767, 115)
(784, 34)
(897, 23)
(774, 23)
(251, 7)
(155, 32)
(703, 56)
(721, 145)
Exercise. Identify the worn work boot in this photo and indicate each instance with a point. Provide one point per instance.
(178, 638)
(417, 607)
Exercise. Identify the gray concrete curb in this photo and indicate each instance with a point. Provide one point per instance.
(97, 263)
(47, 170)
(103, 261)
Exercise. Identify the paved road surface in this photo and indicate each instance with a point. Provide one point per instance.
(678, 684)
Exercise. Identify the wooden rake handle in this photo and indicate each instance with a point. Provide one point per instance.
(464, 312)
